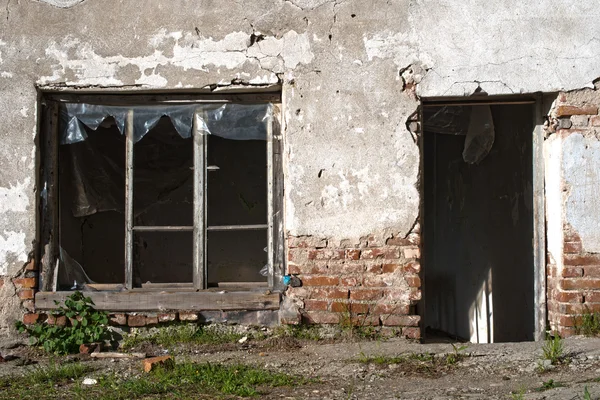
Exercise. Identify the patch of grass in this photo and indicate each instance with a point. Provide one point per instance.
(553, 350)
(300, 332)
(550, 384)
(416, 363)
(520, 395)
(186, 380)
(589, 324)
(380, 359)
(169, 336)
(457, 354)
(56, 373)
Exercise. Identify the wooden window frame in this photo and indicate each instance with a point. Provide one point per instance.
(48, 237)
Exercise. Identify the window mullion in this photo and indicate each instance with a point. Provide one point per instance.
(199, 202)
(129, 201)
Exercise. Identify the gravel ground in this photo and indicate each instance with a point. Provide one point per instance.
(492, 371)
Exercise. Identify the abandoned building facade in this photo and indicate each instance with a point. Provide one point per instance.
(420, 166)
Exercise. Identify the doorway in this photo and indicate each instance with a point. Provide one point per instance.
(478, 221)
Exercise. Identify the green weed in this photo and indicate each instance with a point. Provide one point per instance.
(553, 350)
(87, 325)
(589, 324)
(550, 384)
(169, 336)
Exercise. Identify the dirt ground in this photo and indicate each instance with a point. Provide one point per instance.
(493, 371)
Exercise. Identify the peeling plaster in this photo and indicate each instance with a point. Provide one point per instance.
(581, 169)
(190, 52)
(15, 198)
(62, 3)
(12, 249)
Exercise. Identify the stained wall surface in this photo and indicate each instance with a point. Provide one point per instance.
(347, 70)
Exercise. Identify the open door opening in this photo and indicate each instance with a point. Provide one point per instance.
(478, 221)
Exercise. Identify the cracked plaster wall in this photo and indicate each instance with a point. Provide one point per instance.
(351, 166)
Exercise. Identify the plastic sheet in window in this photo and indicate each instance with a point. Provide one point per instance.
(231, 121)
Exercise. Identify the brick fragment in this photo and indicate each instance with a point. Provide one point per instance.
(136, 320)
(151, 363)
(413, 281)
(315, 305)
(389, 268)
(352, 254)
(26, 294)
(351, 281)
(592, 271)
(330, 293)
(595, 120)
(151, 320)
(569, 297)
(366, 294)
(24, 282)
(388, 253)
(412, 267)
(320, 280)
(398, 241)
(590, 297)
(399, 308)
(89, 348)
(31, 318)
(31, 266)
(411, 252)
(568, 110)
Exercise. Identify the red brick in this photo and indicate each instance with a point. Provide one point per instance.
(568, 297)
(26, 294)
(591, 297)
(351, 281)
(412, 267)
(31, 318)
(592, 271)
(24, 282)
(152, 320)
(167, 317)
(389, 268)
(366, 320)
(573, 247)
(59, 321)
(595, 120)
(329, 293)
(578, 308)
(89, 348)
(151, 363)
(411, 332)
(586, 259)
(118, 319)
(565, 332)
(326, 254)
(400, 320)
(315, 305)
(294, 269)
(400, 309)
(374, 269)
(366, 294)
(567, 320)
(385, 252)
(572, 272)
(551, 271)
(353, 254)
(570, 235)
(413, 281)
(320, 280)
(136, 320)
(566, 110)
(396, 295)
(318, 317)
(580, 283)
(352, 308)
(415, 294)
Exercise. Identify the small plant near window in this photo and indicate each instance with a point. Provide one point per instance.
(87, 325)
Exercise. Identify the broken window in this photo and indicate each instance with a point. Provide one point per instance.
(140, 194)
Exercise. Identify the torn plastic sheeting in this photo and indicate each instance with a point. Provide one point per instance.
(480, 135)
(230, 121)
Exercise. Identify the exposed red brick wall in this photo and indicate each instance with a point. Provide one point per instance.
(573, 289)
(576, 289)
(374, 282)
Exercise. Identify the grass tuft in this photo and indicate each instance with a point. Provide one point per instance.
(169, 336)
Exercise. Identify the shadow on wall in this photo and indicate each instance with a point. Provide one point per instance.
(478, 226)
